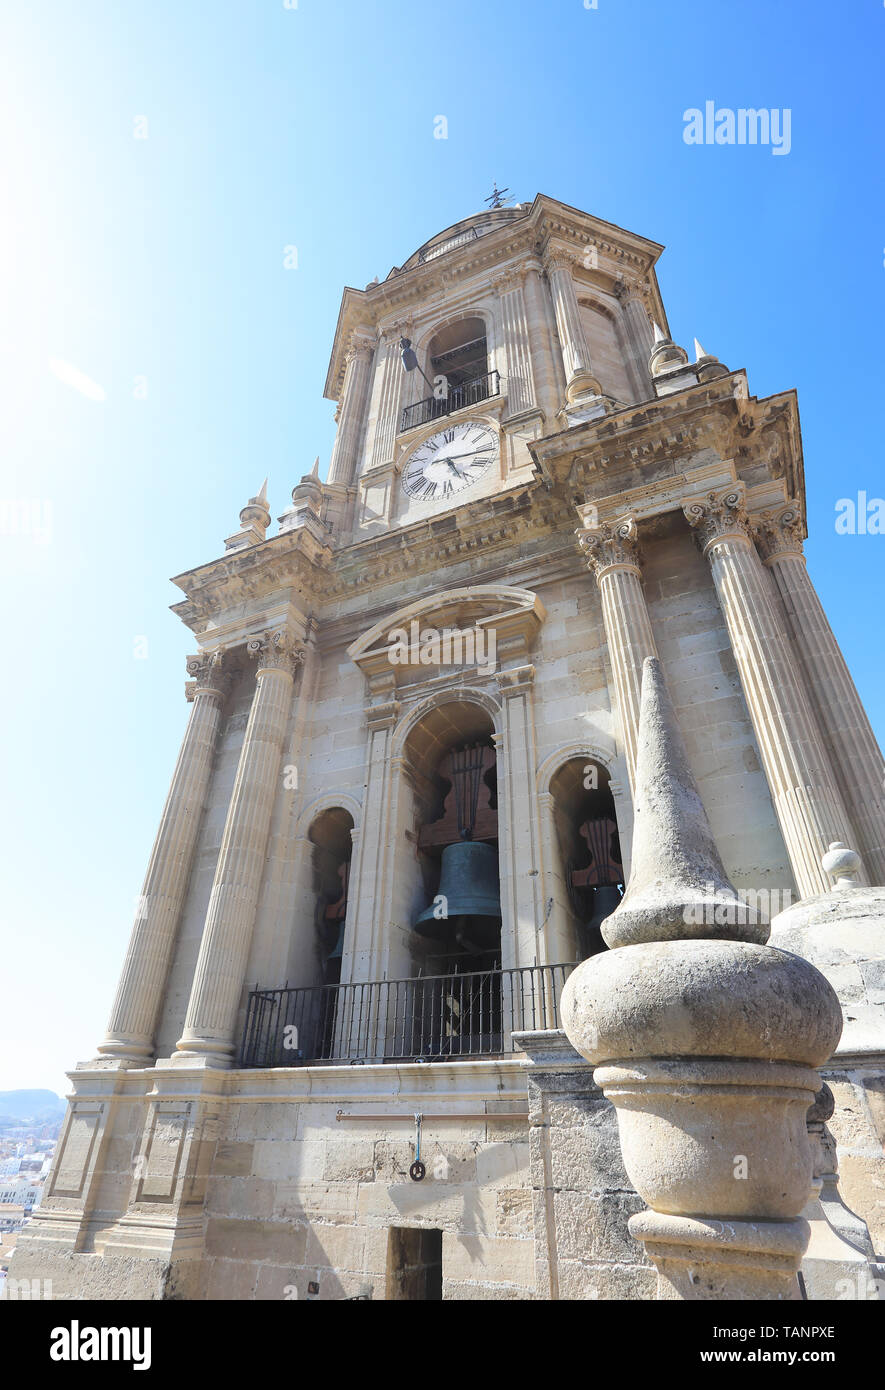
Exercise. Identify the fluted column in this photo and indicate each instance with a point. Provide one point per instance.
(543, 364)
(613, 555)
(345, 450)
(854, 752)
(230, 917)
(140, 991)
(514, 324)
(806, 796)
(639, 332)
(579, 374)
(384, 412)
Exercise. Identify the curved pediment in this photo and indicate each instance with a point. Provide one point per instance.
(512, 616)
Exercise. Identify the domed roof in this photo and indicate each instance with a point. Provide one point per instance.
(460, 233)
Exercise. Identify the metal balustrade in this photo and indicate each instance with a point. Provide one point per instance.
(433, 1017)
(479, 388)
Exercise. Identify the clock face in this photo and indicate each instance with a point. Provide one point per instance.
(450, 461)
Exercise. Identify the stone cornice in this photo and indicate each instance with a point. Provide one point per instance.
(655, 438)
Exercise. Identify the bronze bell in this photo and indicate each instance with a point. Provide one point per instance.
(468, 884)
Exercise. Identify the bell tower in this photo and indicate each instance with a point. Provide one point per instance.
(508, 326)
(404, 798)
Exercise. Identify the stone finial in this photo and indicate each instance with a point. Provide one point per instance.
(706, 1047)
(678, 887)
(666, 356)
(843, 865)
(708, 367)
(254, 521)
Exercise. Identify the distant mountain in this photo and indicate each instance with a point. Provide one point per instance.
(31, 1105)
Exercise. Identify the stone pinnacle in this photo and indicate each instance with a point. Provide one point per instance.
(678, 887)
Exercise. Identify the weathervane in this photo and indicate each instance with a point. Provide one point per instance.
(496, 198)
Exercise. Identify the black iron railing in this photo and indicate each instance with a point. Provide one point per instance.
(430, 253)
(480, 388)
(433, 1017)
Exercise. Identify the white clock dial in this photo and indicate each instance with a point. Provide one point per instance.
(449, 461)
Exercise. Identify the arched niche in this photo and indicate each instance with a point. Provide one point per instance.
(589, 868)
(331, 838)
(449, 763)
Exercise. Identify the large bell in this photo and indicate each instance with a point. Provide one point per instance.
(468, 886)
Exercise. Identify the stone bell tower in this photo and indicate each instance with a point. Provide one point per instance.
(424, 655)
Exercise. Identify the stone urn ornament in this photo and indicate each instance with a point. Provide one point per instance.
(706, 1041)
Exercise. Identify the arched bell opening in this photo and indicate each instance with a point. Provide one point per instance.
(459, 352)
(330, 836)
(590, 850)
(453, 766)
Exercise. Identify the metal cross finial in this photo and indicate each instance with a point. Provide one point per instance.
(497, 197)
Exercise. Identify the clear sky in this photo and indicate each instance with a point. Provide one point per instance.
(155, 268)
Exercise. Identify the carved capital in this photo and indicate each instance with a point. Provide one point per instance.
(717, 515)
(560, 259)
(359, 351)
(509, 280)
(208, 672)
(275, 651)
(779, 532)
(609, 546)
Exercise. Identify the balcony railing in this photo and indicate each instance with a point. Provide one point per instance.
(432, 1017)
(480, 388)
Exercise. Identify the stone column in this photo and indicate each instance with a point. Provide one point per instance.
(227, 933)
(855, 754)
(803, 788)
(345, 451)
(384, 412)
(639, 331)
(522, 904)
(579, 376)
(543, 363)
(515, 332)
(140, 992)
(613, 555)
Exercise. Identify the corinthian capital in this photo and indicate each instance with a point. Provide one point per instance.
(275, 651)
(560, 258)
(717, 515)
(607, 546)
(207, 672)
(779, 532)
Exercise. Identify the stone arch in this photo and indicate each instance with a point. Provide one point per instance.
(455, 694)
(328, 801)
(599, 749)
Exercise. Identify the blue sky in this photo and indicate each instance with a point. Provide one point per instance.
(155, 267)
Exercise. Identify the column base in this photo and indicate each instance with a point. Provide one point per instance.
(701, 1259)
